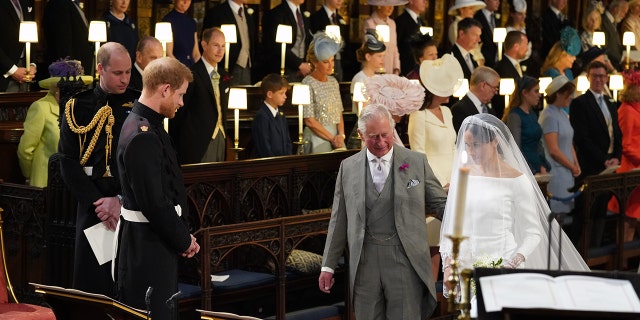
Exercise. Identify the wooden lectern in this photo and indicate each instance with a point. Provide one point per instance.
(71, 304)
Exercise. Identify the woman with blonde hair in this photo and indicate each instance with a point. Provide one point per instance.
(632, 21)
(563, 54)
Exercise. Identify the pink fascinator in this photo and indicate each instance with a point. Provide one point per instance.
(400, 95)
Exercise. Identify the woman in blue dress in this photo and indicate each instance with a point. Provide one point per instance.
(522, 121)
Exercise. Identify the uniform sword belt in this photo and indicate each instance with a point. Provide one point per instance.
(137, 216)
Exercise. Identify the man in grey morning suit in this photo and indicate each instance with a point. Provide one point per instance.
(381, 197)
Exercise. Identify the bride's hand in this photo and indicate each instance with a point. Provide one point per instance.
(514, 262)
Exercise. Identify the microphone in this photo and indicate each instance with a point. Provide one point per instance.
(147, 301)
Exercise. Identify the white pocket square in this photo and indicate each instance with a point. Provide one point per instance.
(412, 183)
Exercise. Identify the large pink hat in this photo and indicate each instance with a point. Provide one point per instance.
(400, 95)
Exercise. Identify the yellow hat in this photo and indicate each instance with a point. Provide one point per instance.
(64, 68)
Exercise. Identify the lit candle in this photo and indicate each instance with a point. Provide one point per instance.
(282, 54)
(300, 118)
(236, 125)
(28, 53)
(227, 45)
(461, 197)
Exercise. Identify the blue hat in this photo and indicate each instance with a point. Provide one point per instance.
(570, 41)
(324, 46)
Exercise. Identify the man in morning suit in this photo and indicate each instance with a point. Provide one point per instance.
(469, 31)
(269, 129)
(288, 13)
(12, 52)
(484, 84)
(382, 195)
(516, 45)
(153, 229)
(553, 20)
(598, 142)
(241, 53)
(487, 19)
(149, 49)
(198, 129)
(616, 11)
(66, 31)
(327, 15)
(89, 169)
(407, 25)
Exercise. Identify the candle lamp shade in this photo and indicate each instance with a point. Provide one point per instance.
(628, 39)
(333, 31)
(499, 34)
(598, 38)
(28, 32)
(229, 31)
(582, 84)
(425, 30)
(301, 95)
(358, 92)
(97, 31)
(284, 34)
(463, 89)
(383, 32)
(615, 82)
(163, 32)
(544, 83)
(238, 98)
(507, 85)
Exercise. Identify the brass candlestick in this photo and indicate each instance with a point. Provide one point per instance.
(300, 143)
(464, 305)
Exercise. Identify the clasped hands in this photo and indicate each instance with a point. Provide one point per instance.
(108, 211)
(21, 74)
(194, 247)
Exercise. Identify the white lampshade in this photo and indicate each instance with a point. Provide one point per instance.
(582, 84)
(615, 82)
(238, 98)
(499, 34)
(284, 34)
(507, 85)
(28, 32)
(229, 31)
(301, 94)
(163, 32)
(383, 32)
(598, 38)
(425, 30)
(358, 92)
(333, 31)
(544, 83)
(463, 89)
(97, 31)
(628, 39)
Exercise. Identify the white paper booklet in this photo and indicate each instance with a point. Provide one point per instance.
(101, 242)
(536, 290)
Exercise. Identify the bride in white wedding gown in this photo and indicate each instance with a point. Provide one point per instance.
(505, 216)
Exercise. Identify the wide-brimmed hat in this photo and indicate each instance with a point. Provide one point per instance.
(324, 46)
(557, 83)
(443, 76)
(64, 68)
(518, 6)
(466, 3)
(400, 95)
(570, 41)
(387, 3)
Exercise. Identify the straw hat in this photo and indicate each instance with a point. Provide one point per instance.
(387, 3)
(442, 77)
(466, 3)
(557, 83)
(64, 68)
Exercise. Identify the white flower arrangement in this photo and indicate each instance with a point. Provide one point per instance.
(484, 262)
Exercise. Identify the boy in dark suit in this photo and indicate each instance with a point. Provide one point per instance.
(269, 129)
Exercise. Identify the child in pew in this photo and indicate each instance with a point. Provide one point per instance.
(269, 128)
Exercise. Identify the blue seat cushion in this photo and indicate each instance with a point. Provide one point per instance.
(314, 313)
(189, 290)
(240, 279)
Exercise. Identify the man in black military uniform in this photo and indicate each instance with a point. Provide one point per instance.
(90, 126)
(153, 231)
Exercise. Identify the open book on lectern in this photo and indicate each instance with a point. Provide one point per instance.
(567, 292)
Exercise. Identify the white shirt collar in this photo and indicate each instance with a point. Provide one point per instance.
(135, 64)
(273, 110)
(387, 157)
(487, 14)
(555, 10)
(514, 62)
(234, 6)
(463, 51)
(596, 95)
(610, 16)
(208, 66)
(476, 102)
(413, 15)
(293, 7)
(329, 12)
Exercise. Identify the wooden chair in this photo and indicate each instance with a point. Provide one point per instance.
(10, 308)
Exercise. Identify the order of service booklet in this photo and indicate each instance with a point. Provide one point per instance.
(570, 292)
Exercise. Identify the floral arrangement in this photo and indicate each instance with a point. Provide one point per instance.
(484, 262)
(400, 95)
(631, 77)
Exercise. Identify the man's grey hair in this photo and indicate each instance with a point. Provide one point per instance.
(374, 111)
(483, 74)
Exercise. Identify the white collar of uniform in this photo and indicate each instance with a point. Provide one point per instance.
(387, 157)
(273, 110)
